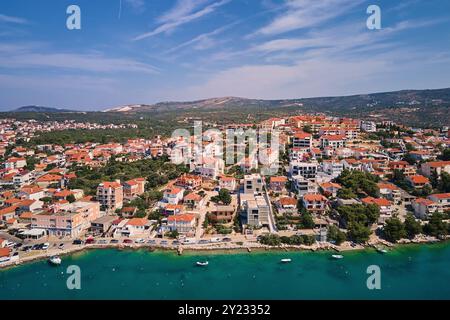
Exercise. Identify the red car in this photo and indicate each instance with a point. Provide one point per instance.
(127, 241)
(90, 241)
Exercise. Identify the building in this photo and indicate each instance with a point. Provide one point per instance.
(424, 208)
(303, 186)
(302, 140)
(253, 183)
(136, 227)
(315, 203)
(391, 192)
(368, 126)
(330, 188)
(228, 183)
(435, 167)
(442, 199)
(15, 163)
(307, 170)
(333, 141)
(173, 195)
(183, 223)
(383, 204)
(101, 225)
(222, 214)
(133, 188)
(110, 195)
(189, 181)
(277, 183)
(256, 209)
(70, 221)
(418, 181)
(193, 201)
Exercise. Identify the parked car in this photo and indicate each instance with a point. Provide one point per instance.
(227, 239)
(175, 242)
(114, 241)
(45, 246)
(163, 242)
(127, 241)
(102, 241)
(61, 246)
(77, 241)
(90, 241)
(203, 241)
(139, 241)
(151, 241)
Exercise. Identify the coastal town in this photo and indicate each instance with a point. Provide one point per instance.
(340, 184)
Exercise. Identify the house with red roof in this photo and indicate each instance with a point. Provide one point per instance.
(385, 206)
(442, 199)
(133, 188)
(418, 181)
(435, 167)
(315, 203)
(173, 195)
(183, 223)
(424, 208)
(110, 195)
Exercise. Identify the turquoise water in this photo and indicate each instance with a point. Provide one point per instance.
(414, 272)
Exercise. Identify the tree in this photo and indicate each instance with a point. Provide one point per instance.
(223, 197)
(445, 155)
(358, 232)
(307, 129)
(435, 226)
(71, 198)
(346, 193)
(412, 226)
(270, 240)
(394, 230)
(173, 234)
(306, 220)
(336, 235)
(444, 182)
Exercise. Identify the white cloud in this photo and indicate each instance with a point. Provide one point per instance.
(180, 15)
(11, 19)
(137, 5)
(15, 56)
(301, 14)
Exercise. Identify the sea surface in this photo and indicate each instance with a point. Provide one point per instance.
(408, 272)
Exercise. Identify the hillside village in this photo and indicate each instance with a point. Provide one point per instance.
(341, 183)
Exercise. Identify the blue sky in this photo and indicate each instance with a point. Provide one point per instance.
(146, 51)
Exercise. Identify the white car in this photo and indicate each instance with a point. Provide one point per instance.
(45, 246)
(139, 241)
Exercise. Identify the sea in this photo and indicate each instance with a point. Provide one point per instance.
(407, 272)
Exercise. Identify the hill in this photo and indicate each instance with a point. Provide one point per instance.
(41, 109)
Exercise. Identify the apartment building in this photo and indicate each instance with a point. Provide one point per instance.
(302, 140)
(70, 221)
(256, 209)
(110, 195)
(253, 183)
(307, 170)
(183, 223)
(133, 188)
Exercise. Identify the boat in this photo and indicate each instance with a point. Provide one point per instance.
(286, 260)
(202, 264)
(337, 256)
(380, 250)
(55, 260)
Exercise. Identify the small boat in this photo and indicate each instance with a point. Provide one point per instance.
(202, 264)
(55, 260)
(286, 260)
(380, 250)
(337, 256)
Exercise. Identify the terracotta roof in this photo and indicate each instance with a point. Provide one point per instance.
(5, 252)
(181, 218)
(193, 196)
(437, 164)
(278, 179)
(441, 195)
(419, 179)
(381, 202)
(113, 185)
(426, 202)
(326, 185)
(287, 201)
(49, 178)
(137, 222)
(314, 197)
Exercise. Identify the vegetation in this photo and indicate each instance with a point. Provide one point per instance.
(223, 197)
(436, 227)
(336, 235)
(306, 220)
(412, 226)
(394, 230)
(359, 218)
(359, 182)
(275, 240)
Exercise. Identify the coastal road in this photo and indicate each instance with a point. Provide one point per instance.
(7, 236)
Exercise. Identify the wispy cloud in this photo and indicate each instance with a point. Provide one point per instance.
(301, 14)
(136, 5)
(183, 12)
(18, 56)
(11, 19)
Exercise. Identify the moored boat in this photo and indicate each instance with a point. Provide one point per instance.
(337, 256)
(286, 260)
(202, 264)
(55, 260)
(381, 250)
